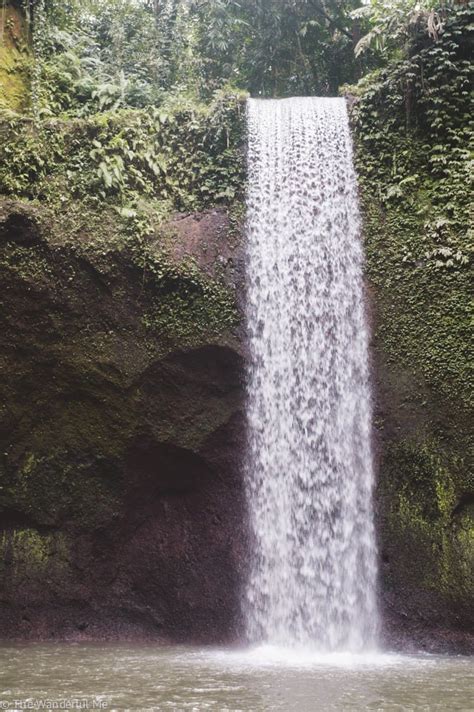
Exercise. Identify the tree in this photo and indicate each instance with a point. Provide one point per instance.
(277, 47)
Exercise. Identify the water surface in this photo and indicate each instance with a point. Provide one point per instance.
(148, 677)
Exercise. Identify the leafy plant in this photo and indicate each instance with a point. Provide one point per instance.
(395, 23)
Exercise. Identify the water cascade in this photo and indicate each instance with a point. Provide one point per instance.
(310, 474)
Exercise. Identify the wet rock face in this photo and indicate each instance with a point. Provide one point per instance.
(424, 514)
(121, 439)
(121, 503)
(15, 55)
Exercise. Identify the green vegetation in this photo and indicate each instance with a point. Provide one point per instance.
(185, 158)
(15, 59)
(107, 55)
(135, 101)
(30, 558)
(115, 115)
(186, 308)
(414, 132)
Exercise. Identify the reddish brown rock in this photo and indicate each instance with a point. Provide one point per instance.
(121, 504)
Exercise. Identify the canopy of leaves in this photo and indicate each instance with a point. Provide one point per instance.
(278, 47)
(395, 25)
(103, 55)
(94, 55)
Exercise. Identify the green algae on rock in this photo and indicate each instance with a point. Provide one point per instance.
(103, 408)
(15, 59)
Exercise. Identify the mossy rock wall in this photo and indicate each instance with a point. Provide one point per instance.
(121, 507)
(412, 139)
(15, 58)
(121, 427)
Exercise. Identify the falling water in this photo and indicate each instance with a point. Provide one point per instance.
(313, 574)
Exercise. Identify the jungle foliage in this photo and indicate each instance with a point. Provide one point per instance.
(106, 55)
(141, 100)
(414, 137)
(98, 56)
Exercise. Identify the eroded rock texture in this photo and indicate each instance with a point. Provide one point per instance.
(121, 508)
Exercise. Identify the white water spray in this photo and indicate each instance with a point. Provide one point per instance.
(310, 475)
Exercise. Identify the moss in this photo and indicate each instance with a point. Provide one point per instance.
(411, 138)
(421, 342)
(187, 307)
(33, 559)
(95, 323)
(27, 263)
(15, 60)
(430, 555)
(27, 547)
(191, 319)
(424, 312)
(419, 474)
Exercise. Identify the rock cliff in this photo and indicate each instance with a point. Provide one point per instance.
(121, 431)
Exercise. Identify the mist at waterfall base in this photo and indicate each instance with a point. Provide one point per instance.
(312, 580)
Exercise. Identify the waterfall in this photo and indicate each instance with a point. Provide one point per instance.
(312, 577)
